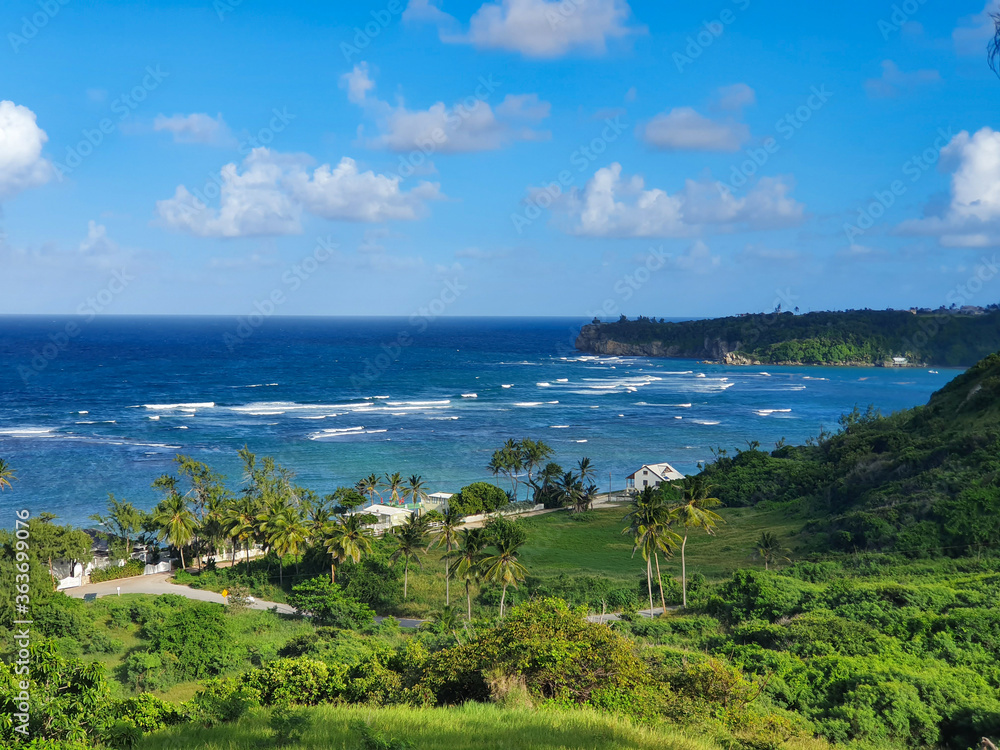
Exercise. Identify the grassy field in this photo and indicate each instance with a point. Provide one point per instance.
(470, 727)
(593, 545)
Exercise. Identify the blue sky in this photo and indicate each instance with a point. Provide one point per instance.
(521, 157)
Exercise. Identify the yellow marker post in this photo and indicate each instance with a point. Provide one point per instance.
(225, 593)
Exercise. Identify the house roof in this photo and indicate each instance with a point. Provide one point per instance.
(384, 510)
(663, 472)
(441, 495)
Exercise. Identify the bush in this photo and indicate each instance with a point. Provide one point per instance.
(288, 725)
(113, 572)
(329, 606)
(197, 635)
(102, 644)
(373, 581)
(478, 497)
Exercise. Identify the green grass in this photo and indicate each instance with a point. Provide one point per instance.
(470, 727)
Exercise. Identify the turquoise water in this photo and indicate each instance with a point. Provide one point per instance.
(107, 406)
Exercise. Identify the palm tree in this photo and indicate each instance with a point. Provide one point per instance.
(768, 548)
(570, 490)
(448, 537)
(6, 475)
(446, 620)
(176, 522)
(410, 538)
(533, 453)
(416, 488)
(545, 480)
(649, 521)
(346, 538)
(495, 466)
(587, 497)
(513, 462)
(239, 519)
(286, 535)
(394, 483)
(586, 469)
(503, 567)
(468, 558)
(370, 486)
(694, 512)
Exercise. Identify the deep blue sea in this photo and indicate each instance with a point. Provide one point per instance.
(109, 403)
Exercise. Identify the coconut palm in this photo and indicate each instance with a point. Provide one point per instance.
(286, 534)
(239, 519)
(346, 538)
(176, 523)
(121, 525)
(394, 484)
(695, 512)
(370, 485)
(445, 620)
(570, 490)
(649, 521)
(447, 537)
(768, 548)
(410, 539)
(7, 474)
(416, 488)
(587, 497)
(513, 462)
(468, 558)
(533, 453)
(503, 568)
(586, 469)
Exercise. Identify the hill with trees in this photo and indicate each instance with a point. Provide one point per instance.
(944, 337)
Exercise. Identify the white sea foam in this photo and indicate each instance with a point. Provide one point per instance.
(544, 385)
(701, 375)
(809, 377)
(28, 432)
(507, 386)
(528, 403)
(170, 407)
(562, 380)
(559, 427)
(580, 441)
(418, 403)
(470, 395)
(83, 412)
(768, 412)
(154, 417)
(705, 421)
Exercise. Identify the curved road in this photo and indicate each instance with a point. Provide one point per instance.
(160, 584)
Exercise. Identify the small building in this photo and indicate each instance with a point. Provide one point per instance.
(438, 501)
(651, 475)
(388, 516)
(899, 361)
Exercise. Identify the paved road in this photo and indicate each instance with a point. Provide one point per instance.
(160, 584)
(615, 617)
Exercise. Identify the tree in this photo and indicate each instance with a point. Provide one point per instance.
(346, 499)
(394, 483)
(328, 605)
(121, 524)
(768, 548)
(545, 484)
(502, 567)
(649, 520)
(478, 497)
(52, 542)
(207, 494)
(7, 474)
(370, 486)
(176, 523)
(286, 535)
(239, 519)
(695, 512)
(346, 538)
(468, 558)
(570, 490)
(409, 539)
(416, 488)
(447, 537)
(508, 460)
(586, 469)
(533, 454)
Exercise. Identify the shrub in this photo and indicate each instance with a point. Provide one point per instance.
(478, 497)
(328, 605)
(288, 725)
(113, 572)
(197, 635)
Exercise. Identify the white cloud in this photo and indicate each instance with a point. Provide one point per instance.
(271, 192)
(971, 218)
(697, 258)
(736, 97)
(683, 129)
(195, 128)
(99, 250)
(894, 81)
(973, 32)
(471, 125)
(615, 206)
(21, 140)
(524, 107)
(535, 28)
(358, 83)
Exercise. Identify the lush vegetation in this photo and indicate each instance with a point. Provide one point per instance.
(942, 337)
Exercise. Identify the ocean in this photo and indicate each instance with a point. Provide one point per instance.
(89, 407)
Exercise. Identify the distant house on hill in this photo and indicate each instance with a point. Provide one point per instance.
(388, 516)
(651, 475)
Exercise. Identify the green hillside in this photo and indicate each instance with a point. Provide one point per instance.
(941, 337)
(922, 481)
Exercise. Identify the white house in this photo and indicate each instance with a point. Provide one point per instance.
(388, 516)
(651, 475)
(438, 501)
